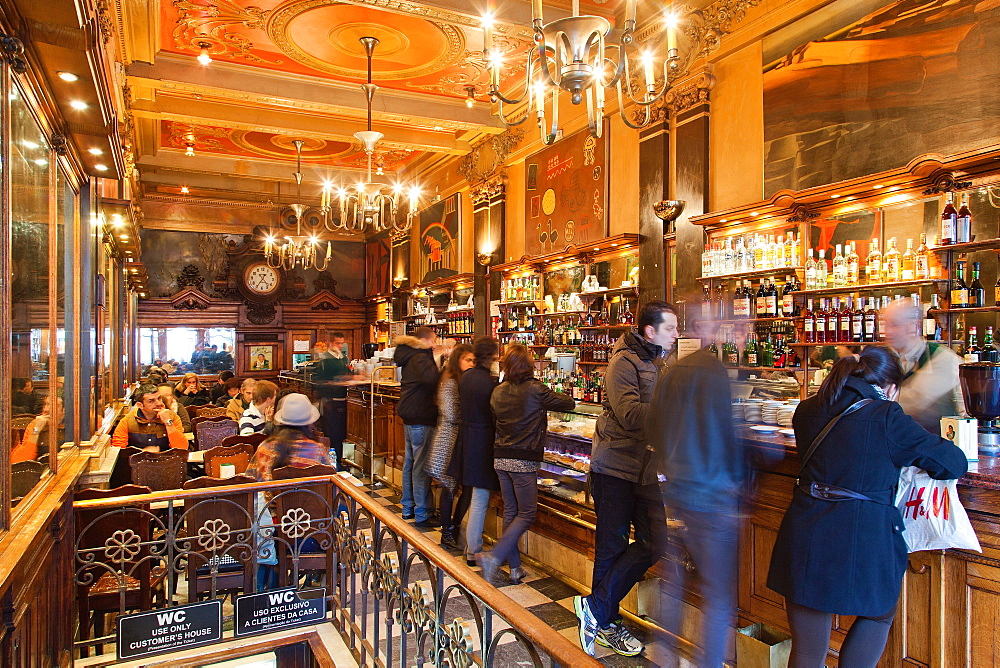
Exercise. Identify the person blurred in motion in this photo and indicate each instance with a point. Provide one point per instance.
(417, 409)
(930, 388)
(190, 392)
(333, 367)
(169, 398)
(840, 548)
(691, 427)
(442, 446)
(623, 481)
(36, 431)
(520, 404)
(472, 460)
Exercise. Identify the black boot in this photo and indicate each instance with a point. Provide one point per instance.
(449, 537)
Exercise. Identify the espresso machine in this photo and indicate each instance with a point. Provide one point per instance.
(981, 389)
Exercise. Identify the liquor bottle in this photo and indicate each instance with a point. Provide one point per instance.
(858, 320)
(908, 263)
(891, 263)
(873, 264)
(761, 301)
(822, 270)
(769, 254)
(870, 321)
(779, 355)
(949, 221)
(779, 253)
(844, 319)
(989, 352)
(741, 302)
(839, 268)
(750, 351)
(771, 301)
(959, 290)
(788, 297)
(819, 322)
(796, 249)
(921, 264)
(810, 270)
(853, 265)
(971, 347)
(977, 293)
(732, 352)
(963, 223)
(720, 301)
(880, 320)
(809, 323)
(931, 329)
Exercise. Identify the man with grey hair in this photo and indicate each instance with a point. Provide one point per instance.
(930, 388)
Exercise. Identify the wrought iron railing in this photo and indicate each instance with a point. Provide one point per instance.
(395, 596)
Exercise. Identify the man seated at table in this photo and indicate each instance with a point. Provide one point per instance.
(261, 407)
(169, 396)
(150, 425)
(28, 448)
(232, 391)
(242, 401)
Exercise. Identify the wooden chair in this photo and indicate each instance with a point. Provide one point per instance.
(18, 424)
(308, 505)
(210, 432)
(220, 537)
(121, 474)
(210, 411)
(159, 471)
(238, 455)
(111, 551)
(251, 439)
(23, 478)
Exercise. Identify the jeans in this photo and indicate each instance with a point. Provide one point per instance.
(520, 503)
(862, 647)
(451, 508)
(418, 499)
(711, 541)
(477, 518)
(619, 565)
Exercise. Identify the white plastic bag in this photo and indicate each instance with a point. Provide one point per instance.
(932, 514)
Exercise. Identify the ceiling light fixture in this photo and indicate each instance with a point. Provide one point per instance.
(574, 54)
(470, 96)
(298, 249)
(203, 56)
(185, 190)
(95, 151)
(79, 105)
(369, 203)
(189, 151)
(68, 76)
(101, 168)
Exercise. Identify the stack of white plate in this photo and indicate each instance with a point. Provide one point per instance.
(738, 413)
(752, 411)
(785, 414)
(769, 412)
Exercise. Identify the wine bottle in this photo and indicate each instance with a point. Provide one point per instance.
(870, 321)
(771, 301)
(959, 290)
(989, 352)
(858, 320)
(809, 322)
(977, 293)
(963, 222)
(788, 297)
(761, 300)
(844, 319)
(931, 329)
(750, 351)
(819, 321)
(949, 221)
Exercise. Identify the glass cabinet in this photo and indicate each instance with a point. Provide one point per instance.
(566, 466)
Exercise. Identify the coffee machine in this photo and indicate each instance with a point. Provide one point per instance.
(981, 389)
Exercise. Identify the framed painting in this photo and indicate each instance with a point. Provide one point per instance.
(260, 358)
(439, 249)
(566, 193)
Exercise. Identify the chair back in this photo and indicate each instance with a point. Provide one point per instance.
(121, 474)
(209, 411)
(23, 477)
(316, 502)
(251, 439)
(238, 455)
(220, 536)
(209, 433)
(159, 471)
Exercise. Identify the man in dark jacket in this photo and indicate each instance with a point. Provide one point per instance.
(418, 410)
(690, 424)
(623, 480)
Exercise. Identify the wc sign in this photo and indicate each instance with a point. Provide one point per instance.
(279, 609)
(169, 629)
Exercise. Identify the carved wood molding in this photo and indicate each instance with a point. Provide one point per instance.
(690, 93)
(487, 191)
(190, 299)
(489, 155)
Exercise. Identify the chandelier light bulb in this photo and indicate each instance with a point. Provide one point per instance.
(190, 150)
(203, 57)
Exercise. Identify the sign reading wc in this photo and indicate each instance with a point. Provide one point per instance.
(279, 609)
(169, 629)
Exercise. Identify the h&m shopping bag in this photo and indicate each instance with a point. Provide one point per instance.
(932, 514)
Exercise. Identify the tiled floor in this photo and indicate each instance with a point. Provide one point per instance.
(552, 601)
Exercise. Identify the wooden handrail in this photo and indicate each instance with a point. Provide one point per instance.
(557, 646)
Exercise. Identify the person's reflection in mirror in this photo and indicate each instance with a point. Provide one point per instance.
(24, 399)
(27, 449)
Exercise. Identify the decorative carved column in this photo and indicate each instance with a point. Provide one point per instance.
(654, 185)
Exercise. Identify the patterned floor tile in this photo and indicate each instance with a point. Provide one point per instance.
(554, 615)
(553, 588)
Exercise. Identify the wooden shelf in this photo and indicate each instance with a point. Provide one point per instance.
(765, 368)
(871, 287)
(757, 273)
(800, 344)
(606, 327)
(737, 321)
(527, 302)
(559, 314)
(610, 291)
(985, 244)
(593, 363)
(973, 309)
(593, 251)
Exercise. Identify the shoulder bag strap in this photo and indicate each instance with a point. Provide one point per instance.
(826, 430)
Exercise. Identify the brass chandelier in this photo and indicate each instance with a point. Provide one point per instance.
(298, 249)
(576, 54)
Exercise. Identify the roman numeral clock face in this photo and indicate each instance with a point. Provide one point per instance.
(261, 280)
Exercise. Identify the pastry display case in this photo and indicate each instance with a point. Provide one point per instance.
(565, 468)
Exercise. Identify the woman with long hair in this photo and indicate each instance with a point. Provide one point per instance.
(443, 445)
(520, 404)
(190, 392)
(840, 549)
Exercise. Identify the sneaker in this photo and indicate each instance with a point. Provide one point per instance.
(588, 625)
(618, 638)
(517, 574)
(489, 564)
(407, 516)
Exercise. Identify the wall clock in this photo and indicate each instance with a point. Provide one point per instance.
(262, 282)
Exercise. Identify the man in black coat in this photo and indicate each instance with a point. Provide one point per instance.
(418, 410)
(691, 427)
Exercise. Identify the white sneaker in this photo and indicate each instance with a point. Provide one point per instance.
(619, 639)
(588, 625)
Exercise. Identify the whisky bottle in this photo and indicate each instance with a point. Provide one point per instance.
(873, 264)
(949, 221)
(908, 263)
(921, 262)
(891, 261)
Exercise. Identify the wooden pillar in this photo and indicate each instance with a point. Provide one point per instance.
(654, 185)
(489, 202)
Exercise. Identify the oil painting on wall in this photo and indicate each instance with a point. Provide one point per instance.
(847, 95)
(439, 250)
(566, 198)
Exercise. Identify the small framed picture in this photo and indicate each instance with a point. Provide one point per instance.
(261, 358)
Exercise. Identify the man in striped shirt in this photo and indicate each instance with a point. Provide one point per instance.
(259, 412)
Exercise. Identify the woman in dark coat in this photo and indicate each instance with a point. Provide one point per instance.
(472, 460)
(847, 557)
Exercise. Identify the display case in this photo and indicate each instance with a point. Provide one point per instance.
(565, 468)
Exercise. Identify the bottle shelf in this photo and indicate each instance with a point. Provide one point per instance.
(559, 314)
(633, 289)
(756, 273)
(795, 369)
(802, 344)
(605, 327)
(526, 302)
(736, 321)
(971, 309)
(593, 363)
(985, 244)
(870, 287)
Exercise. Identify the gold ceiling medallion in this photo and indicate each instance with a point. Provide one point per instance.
(279, 26)
(283, 147)
(201, 137)
(203, 28)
